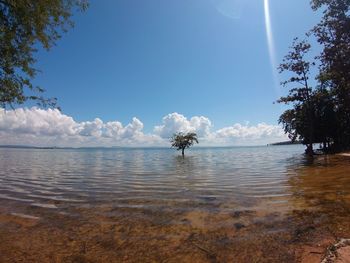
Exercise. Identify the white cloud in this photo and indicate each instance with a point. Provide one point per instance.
(91, 128)
(133, 129)
(261, 133)
(175, 122)
(113, 129)
(52, 128)
(37, 122)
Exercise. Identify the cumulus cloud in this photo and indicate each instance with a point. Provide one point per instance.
(42, 127)
(239, 134)
(91, 128)
(36, 121)
(53, 128)
(176, 122)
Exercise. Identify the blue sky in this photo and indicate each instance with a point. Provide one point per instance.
(150, 58)
(147, 59)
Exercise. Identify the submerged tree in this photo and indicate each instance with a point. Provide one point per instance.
(182, 141)
(23, 25)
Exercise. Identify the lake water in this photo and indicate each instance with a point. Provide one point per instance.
(152, 176)
(244, 177)
(152, 205)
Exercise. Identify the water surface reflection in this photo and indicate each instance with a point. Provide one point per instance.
(259, 177)
(239, 175)
(262, 204)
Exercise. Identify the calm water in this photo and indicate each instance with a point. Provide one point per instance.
(260, 177)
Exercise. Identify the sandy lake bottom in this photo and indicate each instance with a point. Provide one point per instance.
(216, 205)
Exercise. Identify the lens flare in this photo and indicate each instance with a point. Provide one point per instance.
(271, 44)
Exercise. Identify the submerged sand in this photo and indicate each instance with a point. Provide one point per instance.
(302, 228)
(108, 234)
(345, 154)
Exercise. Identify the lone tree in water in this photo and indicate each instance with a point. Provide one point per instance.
(182, 141)
(25, 25)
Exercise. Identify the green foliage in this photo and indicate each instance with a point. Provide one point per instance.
(299, 122)
(23, 25)
(321, 115)
(182, 141)
(333, 34)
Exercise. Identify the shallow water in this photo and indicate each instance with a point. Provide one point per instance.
(132, 205)
(148, 176)
(259, 177)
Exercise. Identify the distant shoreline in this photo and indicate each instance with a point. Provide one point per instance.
(133, 147)
(284, 143)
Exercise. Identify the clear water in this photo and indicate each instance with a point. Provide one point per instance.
(151, 205)
(207, 177)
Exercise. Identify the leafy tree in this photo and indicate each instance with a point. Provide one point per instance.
(298, 122)
(23, 25)
(321, 115)
(182, 141)
(325, 118)
(333, 34)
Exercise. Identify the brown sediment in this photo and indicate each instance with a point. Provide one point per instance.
(347, 154)
(303, 228)
(343, 255)
(110, 234)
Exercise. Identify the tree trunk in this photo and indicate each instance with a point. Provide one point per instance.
(183, 152)
(309, 149)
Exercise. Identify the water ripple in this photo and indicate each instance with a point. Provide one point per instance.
(239, 175)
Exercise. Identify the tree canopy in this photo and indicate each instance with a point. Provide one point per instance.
(182, 141)
(299, 122)
(23, 25)
(321, 114)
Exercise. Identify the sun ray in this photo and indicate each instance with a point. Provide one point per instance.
(271, 45)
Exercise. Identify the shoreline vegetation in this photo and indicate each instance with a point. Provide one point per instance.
(307, 222)
(284, 143)
(320, 114)
(318, 83)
